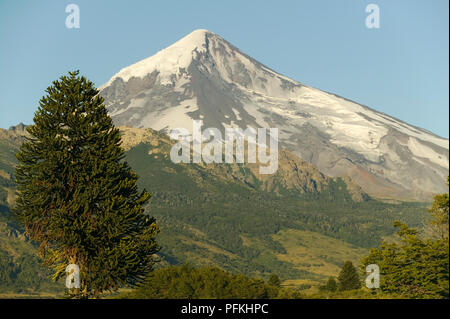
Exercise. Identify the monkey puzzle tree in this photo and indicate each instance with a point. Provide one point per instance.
(76, 195)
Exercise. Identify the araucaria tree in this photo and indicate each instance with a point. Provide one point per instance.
(77, 197)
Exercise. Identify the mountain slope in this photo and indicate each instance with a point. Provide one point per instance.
(203, 76)
(298, 223)
(293, 176)
(226, 215)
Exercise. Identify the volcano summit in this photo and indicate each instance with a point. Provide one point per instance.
(204, 77)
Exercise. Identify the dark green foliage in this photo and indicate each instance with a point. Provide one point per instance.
(20, 268)
(222, 212)
(76, 195)
(274, 280)
(348, 277)
(439, 211)
(331, 285)
(7, 270)
(177, 282)
(23, 275)
(186, 195)
(417, 266)
(413, 268)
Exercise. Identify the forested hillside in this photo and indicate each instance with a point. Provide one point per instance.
(228, 216)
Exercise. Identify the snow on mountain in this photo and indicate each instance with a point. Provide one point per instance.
(202, 76)
(168, 61)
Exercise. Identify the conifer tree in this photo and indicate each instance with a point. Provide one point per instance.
(439, 211)
(331, 285)
(348, 277)
(274, 280)
(77, 197)
(416, 266)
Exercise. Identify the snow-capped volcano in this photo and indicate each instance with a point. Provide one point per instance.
(202, 76)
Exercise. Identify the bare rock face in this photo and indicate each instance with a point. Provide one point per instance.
(204, 77)
(293, 175)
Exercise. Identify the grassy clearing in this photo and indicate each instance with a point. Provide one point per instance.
(316, 253)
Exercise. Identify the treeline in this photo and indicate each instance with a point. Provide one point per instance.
(187, 282)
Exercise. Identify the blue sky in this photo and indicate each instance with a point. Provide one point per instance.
(400, 69)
